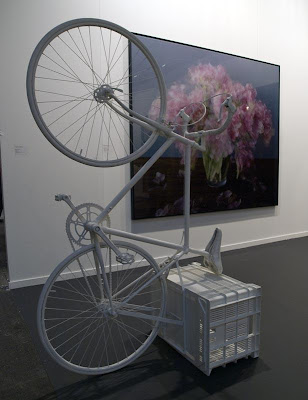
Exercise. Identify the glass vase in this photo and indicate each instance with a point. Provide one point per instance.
(216, 171)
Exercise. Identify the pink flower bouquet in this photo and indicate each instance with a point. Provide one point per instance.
(252, 120)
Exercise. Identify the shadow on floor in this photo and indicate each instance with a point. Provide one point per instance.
(160, 374)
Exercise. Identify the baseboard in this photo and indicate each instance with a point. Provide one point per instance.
(258, 242)
(249, 243)
(38, 280)
(42, 279)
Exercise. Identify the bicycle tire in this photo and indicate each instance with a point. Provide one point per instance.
(64, 294)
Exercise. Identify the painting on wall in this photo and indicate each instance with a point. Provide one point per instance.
(239, 170)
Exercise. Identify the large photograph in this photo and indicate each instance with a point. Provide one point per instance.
(240, 167)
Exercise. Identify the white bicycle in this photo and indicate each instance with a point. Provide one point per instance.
(103, 305)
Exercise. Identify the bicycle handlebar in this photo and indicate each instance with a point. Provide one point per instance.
(166, 131)
(231, 110)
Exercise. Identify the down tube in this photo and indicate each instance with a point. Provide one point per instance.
(135, 179)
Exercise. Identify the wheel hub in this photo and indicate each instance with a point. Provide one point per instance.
(106, 310)
(103, 93)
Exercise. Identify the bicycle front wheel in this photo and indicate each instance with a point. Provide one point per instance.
(74, 321)
(68, 72)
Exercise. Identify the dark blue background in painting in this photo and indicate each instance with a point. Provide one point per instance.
(174, 60)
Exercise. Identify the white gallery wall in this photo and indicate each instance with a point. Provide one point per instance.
(274, 31)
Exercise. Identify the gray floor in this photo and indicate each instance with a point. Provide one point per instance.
(161, 374)
(22, 375)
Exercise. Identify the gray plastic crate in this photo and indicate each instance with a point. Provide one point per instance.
(221, 317)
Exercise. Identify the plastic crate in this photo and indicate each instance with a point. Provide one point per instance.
(221, 317)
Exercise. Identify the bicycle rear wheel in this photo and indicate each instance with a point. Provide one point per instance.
(66, 71)
(74, 323)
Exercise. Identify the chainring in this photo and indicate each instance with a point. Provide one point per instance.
(75, 226)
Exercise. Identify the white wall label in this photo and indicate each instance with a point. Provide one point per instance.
(20, 150)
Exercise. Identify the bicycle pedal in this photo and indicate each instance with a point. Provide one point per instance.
(125, 258)
(60, 197)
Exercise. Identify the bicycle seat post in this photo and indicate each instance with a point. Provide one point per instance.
(187, 196)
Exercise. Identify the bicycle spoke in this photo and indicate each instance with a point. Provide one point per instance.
(74, 73)
(78, 280)
(131, 283)
(108, 63)
(62, 105)
(66, 319)
(124, 129)
(67, 299)
(83, 60)
(97, 343)
(88, 56)
(119, 136)
(72, 337)
(94, 270)
(100, 134)
(109, 137)
(59, 73)
(77, 348)
(110, 69)
(134, 328)
(122, 324)
(61, 116)
(55, 79)
(106, 347)
(143, 307)
(91, 54)
(69, 290)
(111, 337)
(64, 69)
(124, 347)
(82, 127)
(68, 283)
(72, 327)
(59, 94)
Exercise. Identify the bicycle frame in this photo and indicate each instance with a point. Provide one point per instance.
(99, 231)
